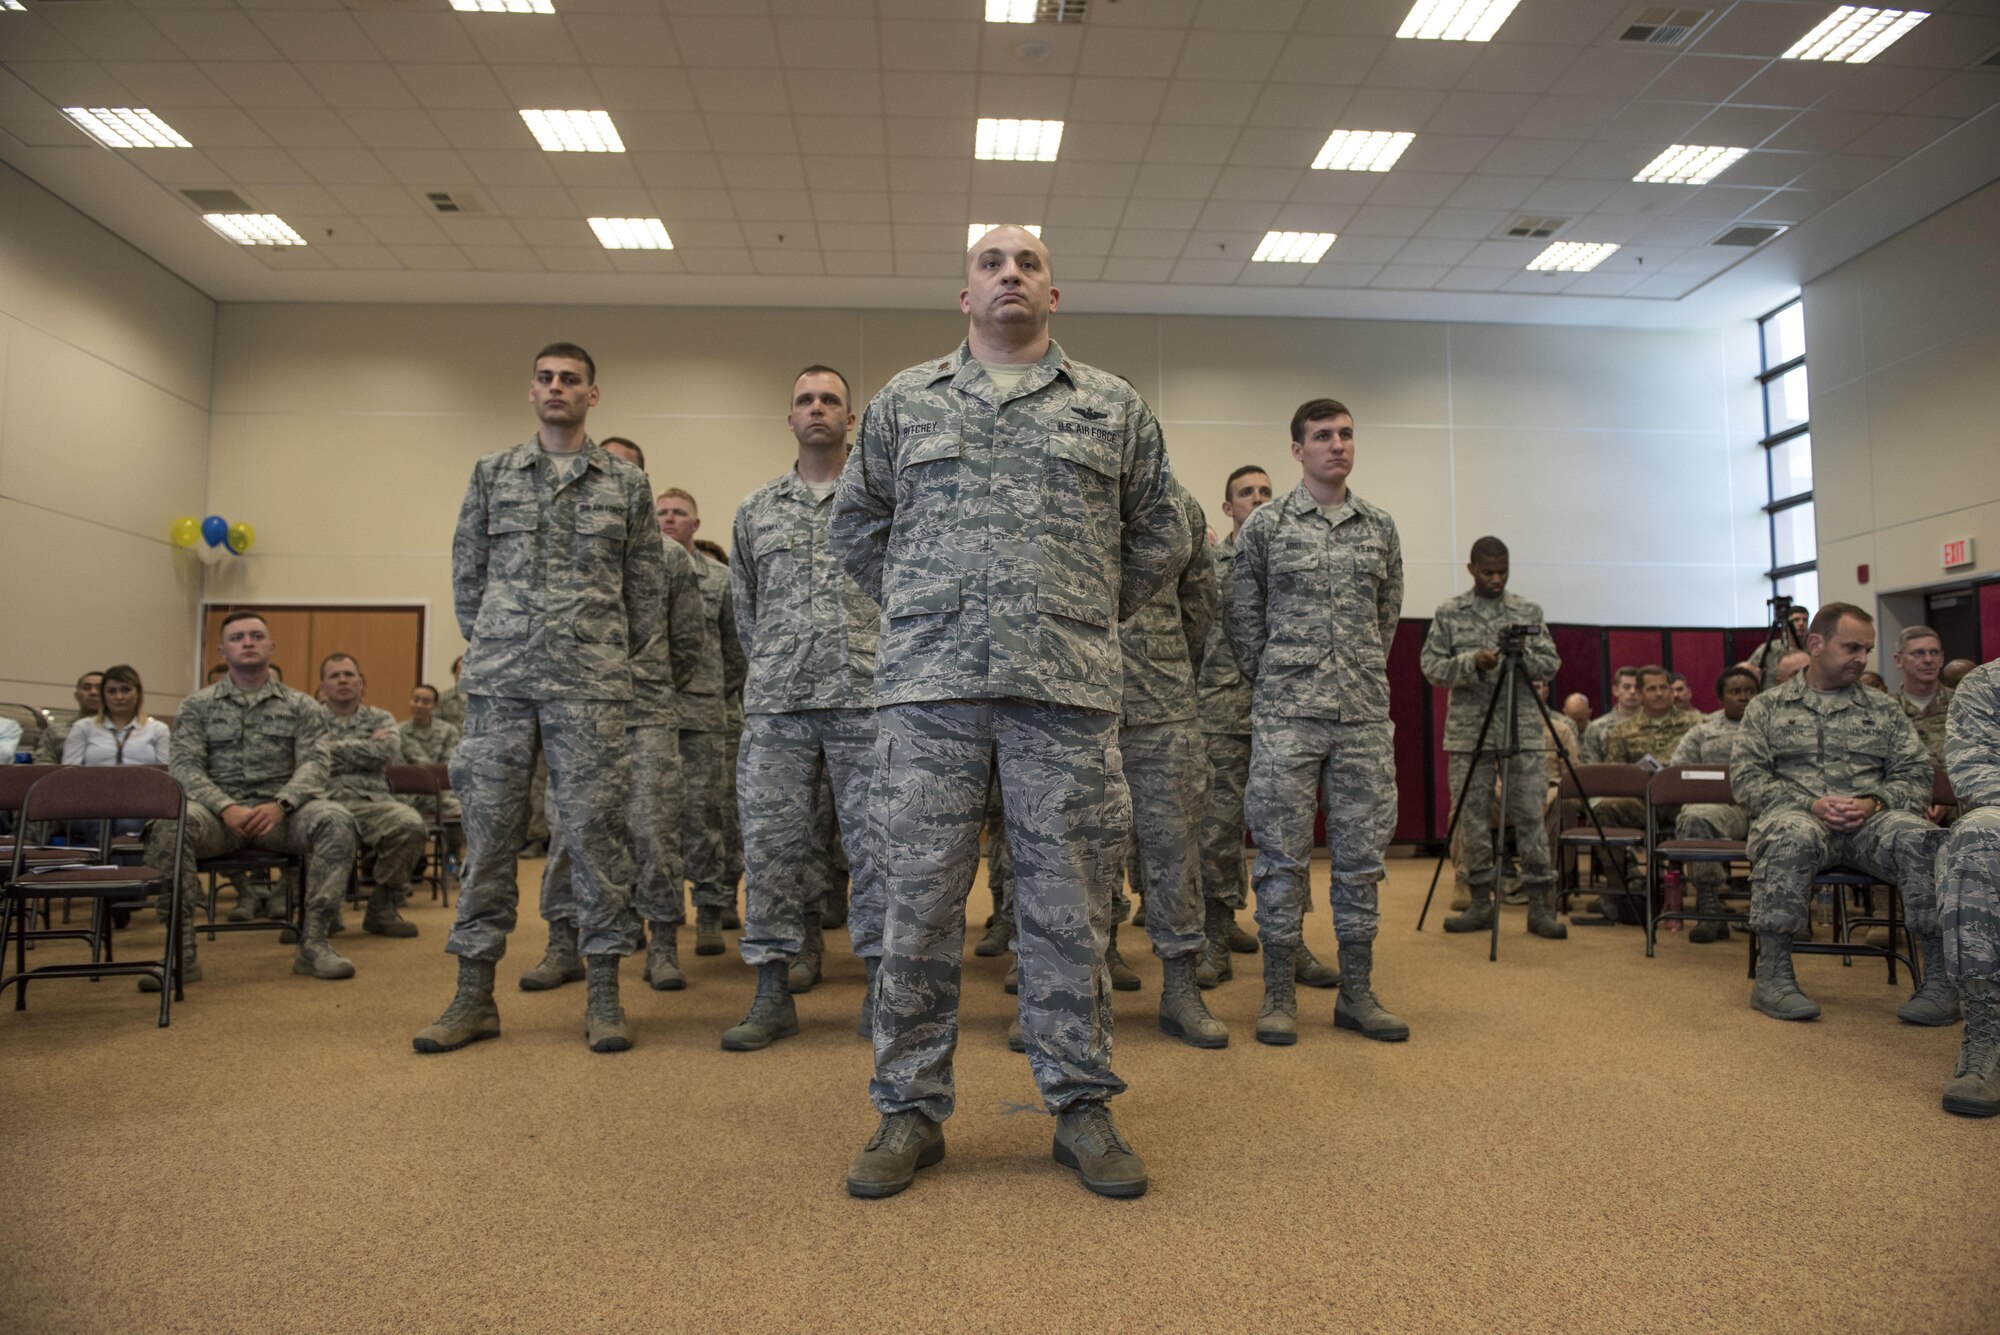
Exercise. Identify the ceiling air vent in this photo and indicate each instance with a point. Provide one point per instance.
(454, 201)
(1747, 237)
(1663, 26)
(1533, 229)
(218, 201)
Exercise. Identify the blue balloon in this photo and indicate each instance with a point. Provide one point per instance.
(215, 530)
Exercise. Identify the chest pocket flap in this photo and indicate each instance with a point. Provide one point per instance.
(516, 518)
(601, 523)
(933, 448)
(1098, 456)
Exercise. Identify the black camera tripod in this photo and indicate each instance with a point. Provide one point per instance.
(1513, 646)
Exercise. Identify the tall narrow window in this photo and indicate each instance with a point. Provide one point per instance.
(1788, 455)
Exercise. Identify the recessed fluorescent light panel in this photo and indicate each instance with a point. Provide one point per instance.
(12, 4)
(254, 229)
(1456, 20)
(1855, 35)
(574, 131)
(1362, 150)
(126, 127)
(1689, 164)
(1293, 247)
(973, 231)
(1010, 11)
(1572, 256)
(632, 233)
(503, 6)
(1017, 141)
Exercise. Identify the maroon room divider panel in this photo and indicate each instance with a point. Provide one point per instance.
(1582, 666)
(1989, 621)
(1698, 656)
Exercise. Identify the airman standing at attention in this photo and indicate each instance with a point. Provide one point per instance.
(1969, 890)
(1007, 506)
(1316, 591)
(558, 577)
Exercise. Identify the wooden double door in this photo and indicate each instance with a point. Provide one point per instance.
(388, 643)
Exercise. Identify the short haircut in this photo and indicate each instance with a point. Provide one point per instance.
(338, 657)
(1677, 677)
(1624, 672)
(680, 494)
(88, 675)
(1316, 410)
(127, 674)
(1229, 484)
(631, 445)
(846, 391)
(1911, 633)
(713, 549)
(458, 663)
(235, 617)
(1827, 619)
(426, 686)
(1489, 549)
(570, 352)
(1722, 682)
(1654, 670)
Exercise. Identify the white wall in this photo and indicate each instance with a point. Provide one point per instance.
(1621, 466)
(1902, 347)
(104, 381)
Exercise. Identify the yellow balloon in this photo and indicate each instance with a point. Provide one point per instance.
(185, 531)
(242, 538)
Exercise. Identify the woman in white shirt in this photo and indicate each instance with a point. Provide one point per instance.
(120, 733)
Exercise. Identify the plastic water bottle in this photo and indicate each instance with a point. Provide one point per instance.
(1672, 881)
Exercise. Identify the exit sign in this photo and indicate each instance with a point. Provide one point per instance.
(1956, 552)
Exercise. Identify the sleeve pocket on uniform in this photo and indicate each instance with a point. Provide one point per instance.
(501, 625)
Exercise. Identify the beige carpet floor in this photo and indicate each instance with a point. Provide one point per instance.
(1575, 1139)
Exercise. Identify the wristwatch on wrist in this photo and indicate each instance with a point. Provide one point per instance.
(288, 806)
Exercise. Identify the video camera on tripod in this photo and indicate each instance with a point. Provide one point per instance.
(1514, 639)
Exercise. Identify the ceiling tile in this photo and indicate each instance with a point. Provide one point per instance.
(592, 168)
(1389, 109)
(1381, 220)
(1299, 105)
(1122, 100)
(1084, 212)
(591, 258)
(304, 127)
(701, 261)
(1843, 171)
(477, 129)
(1257, 147)
(934, 94)
(214, 34)
(316, 34)
(108, 35)
(1416, 189)
(72, 83)
(1479, 113)
(1464, 224)
(679, 203)
(360, 257)
(637, 88)
(431, 258)
(1791, 83)
(302, 201)
(1819, 131)
(829, 44)
(1129, 52)
(1721, 201)
(1080, 242)
(938, 210)
(622, 39)
(1203, 102)
(1447, 153)
(1743, 127)
(825, 172)
(1604, 161)
(1528, 157)
(1121, 270)
(1568, 117)
(1901, 136)
(168, 83)
(1192, 144)
(428, 168)
(1599, 283)
(740, 134)
(906, 137)
(1493, 192)
(611, 202)
(1206, 271)
(396, 129)
(1659, 123)
(404, 231)
(437, 37)
(1246, 183)
(1962, 95)
(1013, 179)
(1229, 55)
(290, 257)
(855, 95)
(214, 127)
(1329, 274)
(1415, 276)
(908, 174)
(1335, 187)
(31, 37)
(763, 171)
(929, 237)
(1768, 169)
(1336, 60)
(468, 232)
(1793, 206)
(1753, 28)
(552, 86)
(1467, 279)
(1237, 215)
(1353, 249)
(860, 263)
(849, 236)
(1052, 49)
(523, 39)
(739, 92)
(786, 261)
(536, 203)
(715, 234)
(1703, 78)
(1030, 96)
(1155, 215)
(517, 167)
(1422, 64)
(1568, 196)
(1094, 178)
(1603, 72)
(1265, 15)
(254, 166)
(343, 166)
(1141, 243)
(1500, 67)
(1427, 250)
(1503, 254)
(841, 135)
(259, 84)
(672, 261)
(503, 259)
(949, 47)
(1100, 142)
(377, 202)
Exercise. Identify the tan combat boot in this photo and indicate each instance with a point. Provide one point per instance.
(1278, 1022)
(663, 957)
(560, 963)
(1974, 1089)
(471, 1015)
(382, 917)
(1357, 1007)
(604, 1026)
(316, 958)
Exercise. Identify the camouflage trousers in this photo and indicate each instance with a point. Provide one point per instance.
(1351, 769)
(1225, 873)
(1166, 771)
(653, 816)
(1789, 848)
(445, 808)
(1968, 888)
(999, 862)
(538, 801)
(394, 836)
(1067, 811)
(1527, 785)
(835, 872)
(1710, 820)
(320, 832)
(707, 781)
(590, 771)
(784, 761)
(732, 819)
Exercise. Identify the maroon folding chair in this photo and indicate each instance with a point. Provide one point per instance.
(1594, 781)
(1680, 786)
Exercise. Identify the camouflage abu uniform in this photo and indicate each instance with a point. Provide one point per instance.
(1627, 743)
(704, 740)
(1709, 742)
(1929, 720)
(1797, 745)
(1969, 867)
(557, 578)
(1005, 535)
(451, 709)
(1591, 748)
(234, 747)
(1312, 610)
(433, 745)
(809, 704)
(1459, 629)
(653, 803)
(1222, 700)
(387, 828)
(1166, 768)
